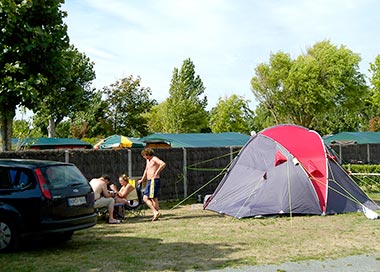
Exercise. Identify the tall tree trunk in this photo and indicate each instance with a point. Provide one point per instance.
(51, 128)
(6, 123)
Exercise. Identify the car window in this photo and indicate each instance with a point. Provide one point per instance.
(14, 178)
(60, 176)
(5, 181)
(24, 179)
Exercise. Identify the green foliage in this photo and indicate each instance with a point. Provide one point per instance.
(90, 122)
(369, 184)
(185, 109)
(63, 129)
(92, 141)
(23, 129)
(372, 109)
(71, 92)
(263, 118)
(363, 168)
(231, 114)
(268, 84)
(127, 102)
(316, 90)
(32, 38)
(156, 118)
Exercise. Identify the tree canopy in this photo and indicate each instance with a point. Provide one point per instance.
(185, 109)
(127, 102)
(314, 90)
(231, 114)
(33, 37)
(70, 93)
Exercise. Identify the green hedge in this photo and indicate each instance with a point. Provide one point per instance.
(369, 184)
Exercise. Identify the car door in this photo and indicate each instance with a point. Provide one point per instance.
(20, 194)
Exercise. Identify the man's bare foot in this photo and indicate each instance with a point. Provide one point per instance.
(156, 216)
(115, 221)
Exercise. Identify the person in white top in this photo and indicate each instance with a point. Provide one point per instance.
(104, 198)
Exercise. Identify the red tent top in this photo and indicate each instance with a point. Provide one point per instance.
(308, 147)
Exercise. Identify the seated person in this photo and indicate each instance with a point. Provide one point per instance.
(112, 187)
(103, 198)
(125, 189)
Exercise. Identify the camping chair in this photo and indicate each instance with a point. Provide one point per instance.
(134, 204)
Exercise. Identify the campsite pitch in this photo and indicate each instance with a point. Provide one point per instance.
(190, 239)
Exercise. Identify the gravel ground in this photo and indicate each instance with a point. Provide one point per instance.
(361, 263)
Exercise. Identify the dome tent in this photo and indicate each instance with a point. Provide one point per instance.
(286, 169)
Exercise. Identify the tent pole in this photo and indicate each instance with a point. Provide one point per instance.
(184, 172)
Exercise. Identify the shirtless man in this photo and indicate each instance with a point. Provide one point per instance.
(103, 198)
(153, 168)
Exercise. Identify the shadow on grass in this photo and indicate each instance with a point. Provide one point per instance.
(136, 219)
(95, 251)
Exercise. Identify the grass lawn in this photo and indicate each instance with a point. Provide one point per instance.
(189, 238)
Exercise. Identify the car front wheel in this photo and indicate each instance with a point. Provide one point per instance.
(8, 236)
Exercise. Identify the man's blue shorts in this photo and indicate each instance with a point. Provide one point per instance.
(152, 188)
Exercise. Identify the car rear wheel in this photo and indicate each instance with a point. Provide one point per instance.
(8, 236)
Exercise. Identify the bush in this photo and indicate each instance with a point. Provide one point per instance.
(368, 183)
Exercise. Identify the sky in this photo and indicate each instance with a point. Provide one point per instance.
(225, 39)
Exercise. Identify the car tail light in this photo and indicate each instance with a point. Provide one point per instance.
(43, 184)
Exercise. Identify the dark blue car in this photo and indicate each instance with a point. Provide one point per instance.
(39, 198)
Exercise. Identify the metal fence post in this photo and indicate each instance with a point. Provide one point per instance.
(184, 172)
(368, 154)
(129, 163)
(67, 156)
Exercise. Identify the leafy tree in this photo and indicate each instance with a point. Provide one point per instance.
(372, 109)
(69, 94)
(156, 118)
(91, 123)
(63, 129)
(262, 118)
(268, 84)
(24, 129)
(314, 90)
(127, 102)
(32, 39)
(231, 114)
(185, 107)
(375, 78)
